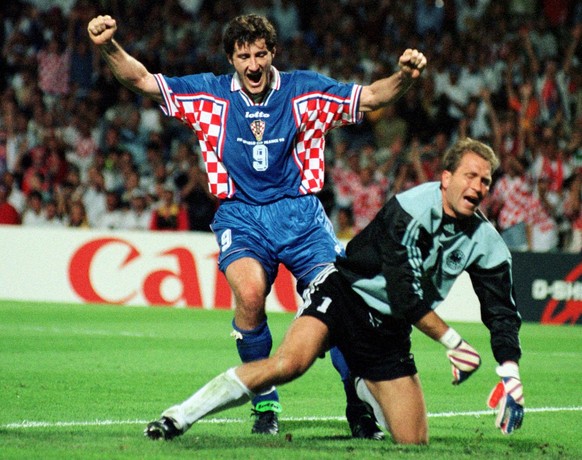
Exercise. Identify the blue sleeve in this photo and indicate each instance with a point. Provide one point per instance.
(313, 81)
(190, 84)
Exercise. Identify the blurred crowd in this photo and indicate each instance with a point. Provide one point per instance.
(79, 150)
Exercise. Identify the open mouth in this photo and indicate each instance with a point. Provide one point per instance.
(473, 200)
(255, 77)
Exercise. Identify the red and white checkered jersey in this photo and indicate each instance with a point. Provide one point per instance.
(540, 217)
(259, 153)
(512, 196)
(344, 180)
(368, 200)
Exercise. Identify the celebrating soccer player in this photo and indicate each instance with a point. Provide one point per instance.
(262, 136)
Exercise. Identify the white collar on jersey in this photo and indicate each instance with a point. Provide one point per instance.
(275, 80)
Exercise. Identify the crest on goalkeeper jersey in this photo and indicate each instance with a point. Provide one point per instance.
(456, 259)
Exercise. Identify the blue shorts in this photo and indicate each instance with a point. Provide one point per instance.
(293, 231)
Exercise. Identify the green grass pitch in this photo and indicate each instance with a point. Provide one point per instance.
(81, 381)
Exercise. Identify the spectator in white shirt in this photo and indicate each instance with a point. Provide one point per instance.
(456, 94)
(112, 217)
(51, 215)
(16, 197)
(94, 198)
(139, 214)
(33, 214)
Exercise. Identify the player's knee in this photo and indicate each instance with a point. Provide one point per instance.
(412, 440)
(251, 299)
(418, 436)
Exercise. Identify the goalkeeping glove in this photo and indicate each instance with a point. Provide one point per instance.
(507, 397)
(463, 357)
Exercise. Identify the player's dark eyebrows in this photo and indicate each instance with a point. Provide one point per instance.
(245, 53)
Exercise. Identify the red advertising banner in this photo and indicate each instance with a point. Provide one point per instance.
(185, 274)
(177, 269)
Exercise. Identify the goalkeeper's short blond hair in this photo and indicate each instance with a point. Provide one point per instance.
(453, 156)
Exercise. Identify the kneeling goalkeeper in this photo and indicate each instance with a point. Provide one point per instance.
(396, 272)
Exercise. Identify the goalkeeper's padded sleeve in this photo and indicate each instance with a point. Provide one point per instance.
(463, 357)
(507, 398)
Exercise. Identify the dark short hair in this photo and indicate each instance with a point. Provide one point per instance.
(247, 29)
(453, 157)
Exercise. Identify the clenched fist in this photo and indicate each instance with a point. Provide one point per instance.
(412, 62)
(101, 29)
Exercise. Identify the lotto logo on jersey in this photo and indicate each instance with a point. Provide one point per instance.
(257, 115)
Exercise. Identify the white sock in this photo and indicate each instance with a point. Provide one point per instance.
(222, 392)
(365, 395)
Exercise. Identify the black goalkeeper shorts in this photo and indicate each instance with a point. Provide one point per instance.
(376, 346)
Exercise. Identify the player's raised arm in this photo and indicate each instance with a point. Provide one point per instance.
(128, 70)
(387, 90)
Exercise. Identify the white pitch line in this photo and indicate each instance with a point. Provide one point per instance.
(32, 424)
(85, 332)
